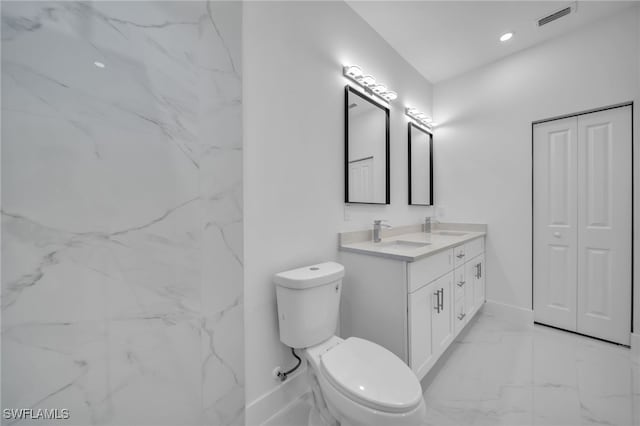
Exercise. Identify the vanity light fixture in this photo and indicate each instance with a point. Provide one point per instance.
(368, 83)
(379, 88)
(390, 95)
(419, 117)
(506, 36)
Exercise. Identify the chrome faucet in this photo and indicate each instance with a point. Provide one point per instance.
(427, 224)
(377, 227)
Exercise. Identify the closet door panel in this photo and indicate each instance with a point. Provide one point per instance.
(555, 222)
(604, 224)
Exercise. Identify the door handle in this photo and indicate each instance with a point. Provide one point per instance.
(557, 234)
(437, 295)
(460, 255)
(461, 316)
(480, 270)
(442, 299)
(461, 283)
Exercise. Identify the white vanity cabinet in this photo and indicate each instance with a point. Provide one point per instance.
(430, 323)
(413, 308)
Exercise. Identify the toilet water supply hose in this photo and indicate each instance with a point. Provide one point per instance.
(283, 374)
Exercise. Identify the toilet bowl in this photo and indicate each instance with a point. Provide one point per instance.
(363, 383)
(354, 382)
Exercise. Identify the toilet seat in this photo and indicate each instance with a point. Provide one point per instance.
(371, 375)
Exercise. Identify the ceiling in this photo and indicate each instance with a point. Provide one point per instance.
(443, 39)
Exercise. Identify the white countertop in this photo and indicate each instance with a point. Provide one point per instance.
(436, 243)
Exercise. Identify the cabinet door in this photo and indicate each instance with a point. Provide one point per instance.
(442, 319)
(469, 287)
(477, 270)
(421, 303)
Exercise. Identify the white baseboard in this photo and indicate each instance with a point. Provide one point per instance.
(635, 348)
(266, 406)
(510, 313)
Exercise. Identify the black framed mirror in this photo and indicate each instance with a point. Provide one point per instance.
(420, 166)
(366, 147)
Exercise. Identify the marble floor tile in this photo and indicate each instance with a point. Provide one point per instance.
(498, 373)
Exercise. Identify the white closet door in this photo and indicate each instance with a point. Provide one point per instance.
(604, 224)
(555, 229)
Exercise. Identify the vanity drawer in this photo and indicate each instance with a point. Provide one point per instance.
(474, 248)
(425, 270)
(459, 254)
(460, 316)
(459, 281)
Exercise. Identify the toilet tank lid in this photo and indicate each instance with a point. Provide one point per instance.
(310, 276)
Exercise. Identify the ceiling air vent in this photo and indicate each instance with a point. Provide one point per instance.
(556, 15)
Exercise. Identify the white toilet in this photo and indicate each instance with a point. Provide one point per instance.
(354, 381)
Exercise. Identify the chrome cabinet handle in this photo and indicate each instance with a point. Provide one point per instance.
(479, 270)
(461, 283)
(461, 316)
(460, 255)
(437, 307)
(442, 299)
(557, 234)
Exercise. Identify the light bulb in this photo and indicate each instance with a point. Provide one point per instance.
(379, 88)
(353, 71)
(390, 95)
(368, 80)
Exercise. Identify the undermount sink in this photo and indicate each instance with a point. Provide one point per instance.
(403, 244)
(451, 233)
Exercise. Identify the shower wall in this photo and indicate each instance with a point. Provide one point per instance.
(122, 276)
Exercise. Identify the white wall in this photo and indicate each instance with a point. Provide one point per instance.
(294, 153)
(483, 146)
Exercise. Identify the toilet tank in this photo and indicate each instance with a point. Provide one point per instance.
(308, 302)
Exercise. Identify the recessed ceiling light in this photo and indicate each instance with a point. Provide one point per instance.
(99, 64)
(506, 36)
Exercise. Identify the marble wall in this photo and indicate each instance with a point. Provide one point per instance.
(122, 256)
